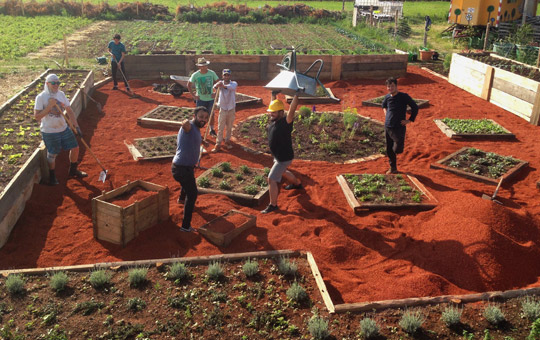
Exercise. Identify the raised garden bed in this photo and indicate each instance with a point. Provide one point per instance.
(322, 136)
(473, 128)
(493, 79)
(165, 116)
(223, 229)
(376, 191)
(319, 98)
(153, 147)
(487, 167)
(22, 163)
(119, 215)
(244, 184)
(377, 102)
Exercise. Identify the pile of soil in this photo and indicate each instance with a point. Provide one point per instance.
(131, 196)
(464, 245)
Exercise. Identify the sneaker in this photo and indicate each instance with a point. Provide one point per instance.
(217, 148)
(269, 209)
(115, 87)
(392, 171)
(77, 173)
(294, 186)
(213, 133)
(53, 181)
(188, 230)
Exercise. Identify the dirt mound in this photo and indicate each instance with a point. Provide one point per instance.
(137, 84)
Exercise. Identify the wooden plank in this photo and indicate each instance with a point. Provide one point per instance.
(335, 74)
(493, 136)
(263, 68)
(535, 113)
(513, 78)
(349, 195)
(515, 105)
(320, 283)
(488, 81)
(224, 239)
(107, 219)
(365, 67)
(515, 90)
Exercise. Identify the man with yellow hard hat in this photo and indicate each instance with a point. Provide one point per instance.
(280, 142)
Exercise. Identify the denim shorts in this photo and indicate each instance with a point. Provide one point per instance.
(58, 141)
(278, 169)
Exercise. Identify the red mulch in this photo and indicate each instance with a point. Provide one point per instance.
(464, 245)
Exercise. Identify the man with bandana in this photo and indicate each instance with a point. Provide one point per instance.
(54, 130)
(187, 155)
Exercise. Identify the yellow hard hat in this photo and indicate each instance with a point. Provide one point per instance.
(276, 105)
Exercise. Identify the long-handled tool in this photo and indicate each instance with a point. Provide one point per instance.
(208, 126)
(98, 104)
(102, 174)
(492, 198)
(119, 67)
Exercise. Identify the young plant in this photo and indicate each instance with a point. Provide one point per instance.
(287, 267)
(226, 166)
(59, 281)
(318, 328)
(411, 321)
(136, 304)
(304, 112)
(251, 189)
(369, 328)
(260, 181)
(100, 278)
(244, 169)
(250, 268)
(266, 171)
(451, 316)
(137, 276)
(494, 315)
(296, 293)
(215, 271)
(217, 172)
(203, 182)
(178, 271)
(530, 308)
(15, 284)
(225, 185)
(239, 177)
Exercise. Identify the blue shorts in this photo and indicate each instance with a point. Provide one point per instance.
(57, 141)
(278, 169)
(206, 103)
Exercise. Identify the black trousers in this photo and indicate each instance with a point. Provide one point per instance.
(395, 143)
(185, 175)
(114, 67)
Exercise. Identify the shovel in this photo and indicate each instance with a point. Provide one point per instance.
(132, 94)
(98, 104)
(492, 198)
(102, 174)
(207, 127)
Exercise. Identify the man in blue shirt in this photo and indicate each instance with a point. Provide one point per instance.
(187, 155)
(395, 108)
(117, 50)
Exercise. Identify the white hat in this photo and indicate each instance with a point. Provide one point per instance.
(52, 77)
(202, 62)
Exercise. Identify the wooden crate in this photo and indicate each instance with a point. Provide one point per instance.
(454, 135)
(119, 225)
(223, 238)
(514, 93)
(358, 206)
(493, 181)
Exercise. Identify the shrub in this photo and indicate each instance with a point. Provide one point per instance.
(535, 331)
(287, 267)
(136, 304)
(530, 307)
(494, 315)
(451, 316)
(251, 189)
(137, 276)
(239, 177)
(100, 278)
(203, 182)
(59, 281)
(318, 327)
(260, 180)
(217, 172)
(225, 166)
(296, 293)
(178, 271)
(244, 169)
(15, 284)
(224, 185)
(215, 271)
(304, 111)
(411, 321)
(369, 328)
(250, 268)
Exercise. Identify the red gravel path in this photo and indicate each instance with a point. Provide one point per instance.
(466, 244)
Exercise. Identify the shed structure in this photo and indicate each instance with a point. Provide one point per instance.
(480, 12)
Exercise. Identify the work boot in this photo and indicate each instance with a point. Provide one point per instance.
(52, 178)
(74, 172)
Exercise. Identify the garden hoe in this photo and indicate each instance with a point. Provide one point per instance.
(98, 104)
(102, 174)
(131, 93)
(492, 198)
(207, 127)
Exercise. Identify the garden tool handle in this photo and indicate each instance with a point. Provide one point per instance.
(66, 118)
(211, 113)
(497, 188)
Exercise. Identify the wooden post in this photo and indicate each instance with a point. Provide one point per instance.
(336, 68)
(354, 16)
(371, 15)
(82, 8)
(137, 3)
(22, 7)
(487, 36)
(66, 52)
(396, 22)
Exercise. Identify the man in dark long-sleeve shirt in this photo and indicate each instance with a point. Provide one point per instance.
(395, 125)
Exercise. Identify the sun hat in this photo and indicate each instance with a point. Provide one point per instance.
(52, 77)
(276, 105)
(202, 62)
(226, 71)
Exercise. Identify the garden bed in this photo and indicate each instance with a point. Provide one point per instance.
(323, 136)
(479, 165)
(376, 191)
(473, 128)
(223, 229)
(319, 98)
(164, 116)
(243, 184)
(377, 102)
(153, 147)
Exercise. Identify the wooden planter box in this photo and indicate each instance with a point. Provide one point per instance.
(426, 55)
(358, 206)
(512, 92)
(15, 194)
(221, 235)
(150, 119)
(494, 181)
(119, 225)
(138, 155)
(454, 135)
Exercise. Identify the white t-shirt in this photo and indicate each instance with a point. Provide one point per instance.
(227, 96)
(53, 122)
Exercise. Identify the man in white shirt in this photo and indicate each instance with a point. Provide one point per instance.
(227, 109)
(54, 130)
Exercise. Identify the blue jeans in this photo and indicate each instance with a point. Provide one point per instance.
(185, 175)
(208, 104)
